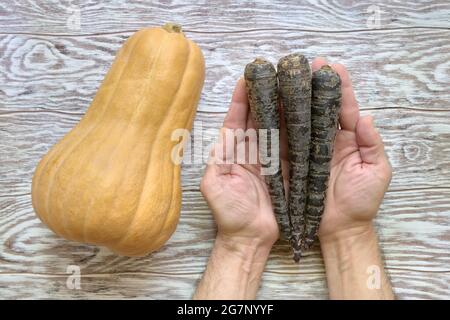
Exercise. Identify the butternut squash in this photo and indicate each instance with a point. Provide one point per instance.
(111, 180)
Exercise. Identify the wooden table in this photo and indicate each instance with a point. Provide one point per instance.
(51, 66)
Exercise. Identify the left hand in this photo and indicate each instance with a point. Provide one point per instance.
(360, 170)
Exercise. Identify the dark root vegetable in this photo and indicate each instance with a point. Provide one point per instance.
(325, 106)
(262, 88)
(294, 76)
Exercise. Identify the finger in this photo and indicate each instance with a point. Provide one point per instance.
(210, 168)
(369, 141)
(215, 170)
(238, 111)
(349, 114)
(318, 63)
(216, 164)
(344, 144)
(251, 124)
(224, 150)
(251, 147)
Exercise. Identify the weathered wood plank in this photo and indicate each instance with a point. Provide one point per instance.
(394, 69)
(113, 286)
(415, 143)
(414, 235)
(206, 16)
(411, 285)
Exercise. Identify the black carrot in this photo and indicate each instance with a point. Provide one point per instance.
(294, 76)
(325, 106)
(262, 88)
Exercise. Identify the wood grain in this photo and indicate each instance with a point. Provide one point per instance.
(32, 16)
(409, 234)
(421, 148)
(401, 72)
(136, 286)
(393, 69)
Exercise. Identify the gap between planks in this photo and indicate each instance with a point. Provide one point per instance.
(329, 31)
(181, 274)
(191, 189)
(80, 114)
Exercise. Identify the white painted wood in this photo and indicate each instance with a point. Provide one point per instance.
(53, 16)
(401, 74)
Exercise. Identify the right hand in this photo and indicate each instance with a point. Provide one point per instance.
(360, 170)
(237, 193)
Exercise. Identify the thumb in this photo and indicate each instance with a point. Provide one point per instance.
(217, 163)
(213, 171)
(369, 141)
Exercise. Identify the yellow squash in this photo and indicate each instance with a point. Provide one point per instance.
(111, 180)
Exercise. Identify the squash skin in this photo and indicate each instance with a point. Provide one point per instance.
(111, 180)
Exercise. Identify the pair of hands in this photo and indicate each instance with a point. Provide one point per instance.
(360, 175)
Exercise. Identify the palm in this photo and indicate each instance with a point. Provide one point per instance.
(237, 193)
(236, 213)
(354, 186)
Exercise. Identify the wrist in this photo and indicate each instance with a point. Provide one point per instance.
(234, 269)
(349, 234)
(354, 266)
(345, 246)
(249, 250)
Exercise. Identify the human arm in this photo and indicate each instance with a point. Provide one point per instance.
(234, 270)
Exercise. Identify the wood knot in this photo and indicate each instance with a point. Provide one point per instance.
(415, 152)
